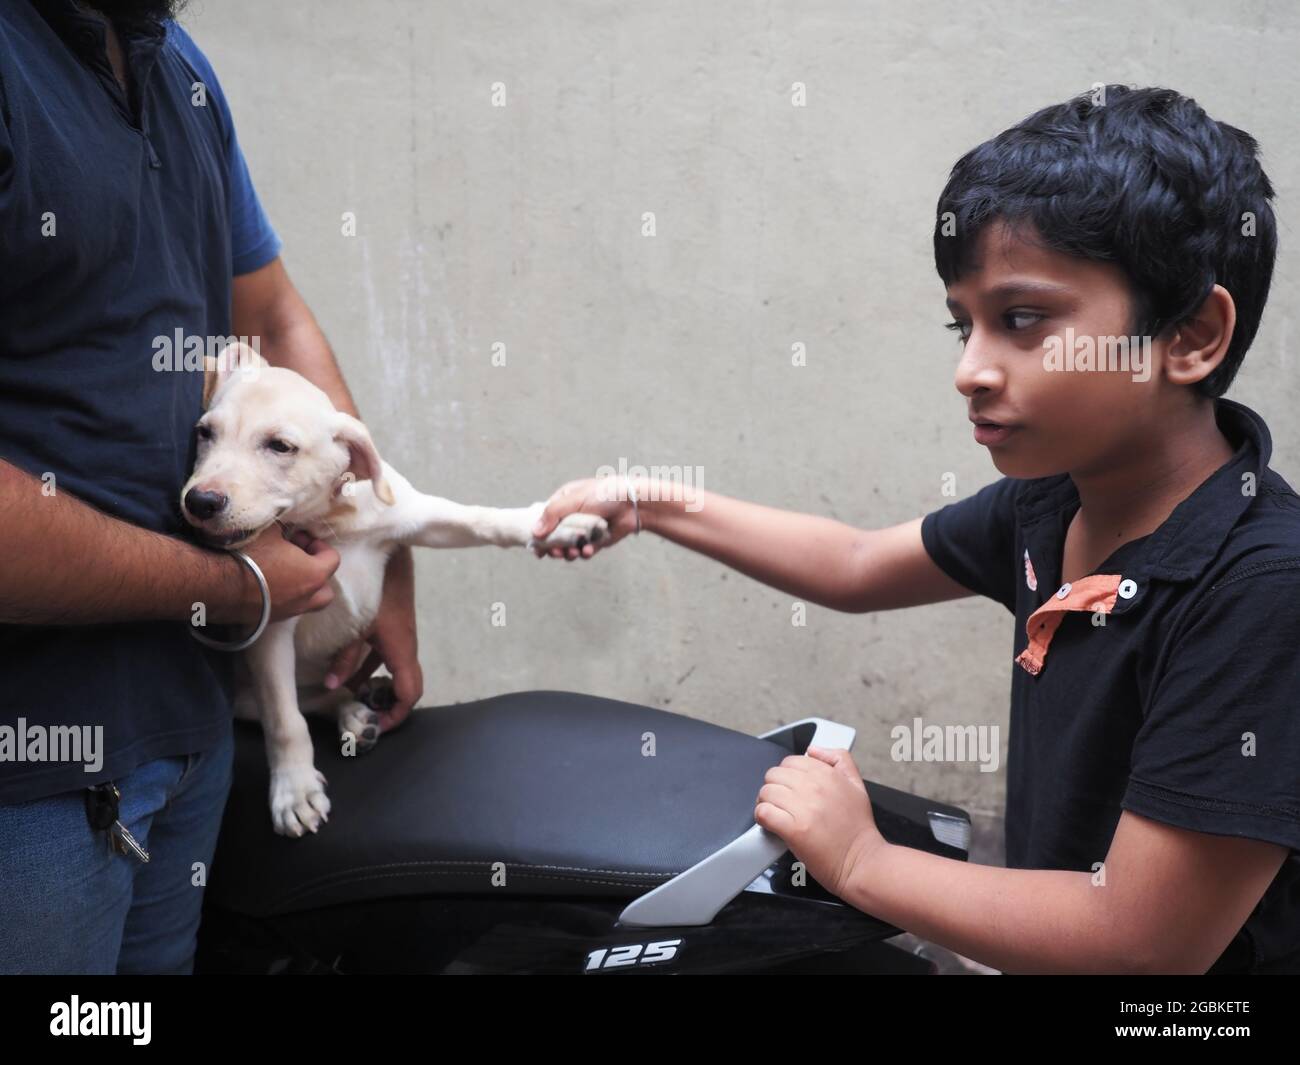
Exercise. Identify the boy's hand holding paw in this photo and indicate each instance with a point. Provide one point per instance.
(574, 533)
(818, 804)
(600, 497)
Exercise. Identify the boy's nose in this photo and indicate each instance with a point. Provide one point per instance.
(977, 370)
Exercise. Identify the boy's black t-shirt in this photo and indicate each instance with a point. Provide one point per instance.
(1166, 683)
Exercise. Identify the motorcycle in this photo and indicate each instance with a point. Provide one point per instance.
(545, 832)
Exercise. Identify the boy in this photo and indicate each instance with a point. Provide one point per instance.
(1107, 261)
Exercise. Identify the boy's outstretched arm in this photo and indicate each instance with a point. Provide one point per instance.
(1163, 900)
(819, 559)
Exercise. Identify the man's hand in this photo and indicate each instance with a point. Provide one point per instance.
(391, 641)
(818, 804)
(297, 571)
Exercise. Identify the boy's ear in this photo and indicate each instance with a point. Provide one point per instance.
(365, 464)
(1198, 345)
(234, 358)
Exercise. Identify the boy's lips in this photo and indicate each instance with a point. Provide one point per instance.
(989, 431)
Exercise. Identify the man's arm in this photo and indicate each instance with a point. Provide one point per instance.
(267, 305)
(66, 563)
(1170, 902)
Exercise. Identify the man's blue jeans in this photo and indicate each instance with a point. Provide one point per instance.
(70, 904)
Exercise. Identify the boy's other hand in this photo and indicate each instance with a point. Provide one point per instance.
(605, 497)
(818, 804)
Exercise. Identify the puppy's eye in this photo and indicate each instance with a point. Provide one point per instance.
(280, 447)
(204, 432)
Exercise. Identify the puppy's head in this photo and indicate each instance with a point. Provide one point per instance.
(271, 445)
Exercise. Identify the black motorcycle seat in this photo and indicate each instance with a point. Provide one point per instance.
(537, 792)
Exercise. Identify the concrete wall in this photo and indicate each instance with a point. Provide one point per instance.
(775, 224)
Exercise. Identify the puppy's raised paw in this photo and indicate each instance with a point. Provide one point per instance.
(575, 530)
(298, 800)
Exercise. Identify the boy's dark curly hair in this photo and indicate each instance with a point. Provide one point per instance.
(1143, 178)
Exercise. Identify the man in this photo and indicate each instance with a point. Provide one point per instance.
(129, 218)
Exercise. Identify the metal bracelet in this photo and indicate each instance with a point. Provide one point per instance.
(636, 512)
(218, 645)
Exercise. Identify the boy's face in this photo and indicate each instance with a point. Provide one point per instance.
(1016, 305)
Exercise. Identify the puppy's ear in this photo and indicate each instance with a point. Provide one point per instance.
(365, 464)
(234, 358)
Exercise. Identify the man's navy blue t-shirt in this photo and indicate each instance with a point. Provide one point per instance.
(123, 219)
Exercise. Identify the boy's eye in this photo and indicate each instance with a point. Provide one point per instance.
(1015, 322)
(1028, 318)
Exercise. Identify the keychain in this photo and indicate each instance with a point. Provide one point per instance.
(102, 802)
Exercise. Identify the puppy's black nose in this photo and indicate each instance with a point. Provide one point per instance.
(203, 504)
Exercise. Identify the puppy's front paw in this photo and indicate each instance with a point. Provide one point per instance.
(298, 800)
(575, 530)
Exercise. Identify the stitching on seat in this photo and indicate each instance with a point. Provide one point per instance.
(317, 888)
(489, 864)
(432, 866)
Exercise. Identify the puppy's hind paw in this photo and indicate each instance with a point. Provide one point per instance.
(359, 727)
(378, 693)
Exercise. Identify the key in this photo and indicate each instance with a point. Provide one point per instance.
(125, 843)
(102, 802)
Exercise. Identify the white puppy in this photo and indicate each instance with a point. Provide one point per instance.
(272, 448)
